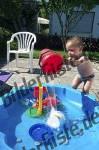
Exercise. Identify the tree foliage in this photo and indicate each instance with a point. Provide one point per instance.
(17, 15)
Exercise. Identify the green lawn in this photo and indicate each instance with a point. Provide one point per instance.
(91, 55)
(37, 53)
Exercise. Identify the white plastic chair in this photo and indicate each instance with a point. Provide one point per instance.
(26, 41)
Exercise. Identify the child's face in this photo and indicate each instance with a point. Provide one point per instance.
(73, 49)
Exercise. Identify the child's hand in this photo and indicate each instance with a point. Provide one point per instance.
(67, 61)
(73, 64)
(71, 61)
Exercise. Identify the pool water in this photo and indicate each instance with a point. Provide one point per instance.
(81, 134)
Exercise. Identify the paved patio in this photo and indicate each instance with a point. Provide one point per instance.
(65, 79)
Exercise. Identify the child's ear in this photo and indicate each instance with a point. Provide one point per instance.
(81, 50)
(81, 47)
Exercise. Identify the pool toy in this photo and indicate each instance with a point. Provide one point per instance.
(36, 91)
(40, 107)
(46, 102)
(40, 132)
(55, 118)
(50, 61)
(54, 101)
(36, 112)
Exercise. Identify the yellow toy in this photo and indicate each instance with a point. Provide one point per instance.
(40, 105)
(33, 111)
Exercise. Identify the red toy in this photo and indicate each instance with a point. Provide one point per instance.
(36, 91)
(50, 61)
(49, 101)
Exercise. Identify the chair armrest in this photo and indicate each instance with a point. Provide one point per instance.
(8, 42)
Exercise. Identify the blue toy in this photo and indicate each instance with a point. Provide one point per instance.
(40, 132)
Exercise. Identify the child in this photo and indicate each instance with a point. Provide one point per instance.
(74, 47)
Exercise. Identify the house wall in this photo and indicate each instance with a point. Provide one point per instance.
(95, 32)
(87, 27)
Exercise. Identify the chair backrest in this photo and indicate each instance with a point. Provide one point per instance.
(26, 40)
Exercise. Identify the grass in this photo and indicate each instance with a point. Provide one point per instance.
(37, 53)
(90, 54)
(93, 55)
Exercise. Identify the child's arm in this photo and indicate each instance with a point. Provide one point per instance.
(71, 61)
(80, 60)
(74, 63)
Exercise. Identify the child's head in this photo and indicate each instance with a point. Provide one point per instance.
(74, 46)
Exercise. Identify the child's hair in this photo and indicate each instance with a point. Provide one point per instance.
(76, 41)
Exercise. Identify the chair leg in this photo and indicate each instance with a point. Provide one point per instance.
(8, 60)
(30, 58)
(17, 55)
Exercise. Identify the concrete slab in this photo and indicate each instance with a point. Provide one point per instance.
(65, 77)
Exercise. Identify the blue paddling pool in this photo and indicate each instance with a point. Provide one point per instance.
(18, 131)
